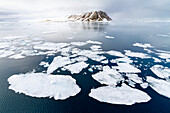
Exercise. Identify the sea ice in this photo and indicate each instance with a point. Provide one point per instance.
(161, 71)
(108, 76)
(43, 85)
(127, 68)
(124, 60)
(115, 53)
(93, 42)
(78, 43)
(160, 86)
(17, 56)
(136, 54)
(144, 85)
(143, 45)
(109, 37)
(57, 62)
(124, 95)
(135, 78)
(96, 47)
(76, 68)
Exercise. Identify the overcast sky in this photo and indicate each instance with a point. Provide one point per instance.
(13, 10)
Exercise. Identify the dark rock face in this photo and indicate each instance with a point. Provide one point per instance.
(91, 16)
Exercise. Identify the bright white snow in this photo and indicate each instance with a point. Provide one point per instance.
(136, 54)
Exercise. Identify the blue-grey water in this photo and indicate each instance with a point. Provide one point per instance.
(125, 33)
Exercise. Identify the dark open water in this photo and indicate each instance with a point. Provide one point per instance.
(125, 35)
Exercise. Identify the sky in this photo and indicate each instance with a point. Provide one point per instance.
(15, 10)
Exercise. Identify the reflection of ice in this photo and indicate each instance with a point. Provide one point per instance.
(42, 85)
(119, 95)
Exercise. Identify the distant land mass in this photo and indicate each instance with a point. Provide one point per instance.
(90, 16)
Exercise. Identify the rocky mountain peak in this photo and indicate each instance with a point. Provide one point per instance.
(91, 16)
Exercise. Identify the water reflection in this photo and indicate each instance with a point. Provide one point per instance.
(93, 26)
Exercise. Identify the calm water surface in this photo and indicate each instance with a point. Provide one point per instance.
(125, 35)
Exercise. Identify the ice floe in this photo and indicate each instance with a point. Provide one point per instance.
(124, 60)
(135, 78)
(42, 85)
(160, 86)
(93, 42)
(111, 37)
(143, 45)
(50, 46)
(144, 85)
(161, 71)
(57, 62)
(17, 56)
(127, 68)
(108, 76)
(96, 47)
(115, 53)
(76, 68)
(136, 54)
(78, 43)
(123, 95)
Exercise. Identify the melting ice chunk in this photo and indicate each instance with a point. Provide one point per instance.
(115, 53)
(76, 68)
(127, 68)
(57, 62)
(108, 76)
(161, 71)
(109, 37)
(119, 95)
(93, 42)
(42, 85)
(143, 45)
(160, 86)
(136, 54)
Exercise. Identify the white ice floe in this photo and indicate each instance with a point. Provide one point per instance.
(160, 86)
(44, 64)
(4, 53)
(108, 76)
(135, 78)
(105, 61)
(111, 37)
(96, 47)
(93, 42)
(124, 60)
(124, 95)
(79, 43)
(79, 59)
(76, 68)
(4, 45)
(94, 55)
(156, 59)
(50, 46)
(57, 62)
(17, 56)
(127, 68)
(161, 71)
(143, 45)
(42, 85)
(168, 60)
(144, 85)
(14, 37)
(115, 53)
(136, 54)
(164, 55)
